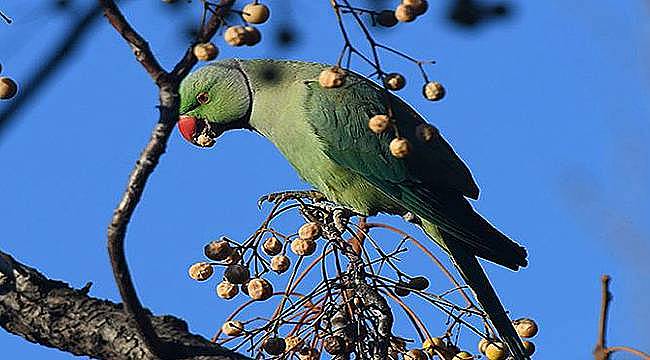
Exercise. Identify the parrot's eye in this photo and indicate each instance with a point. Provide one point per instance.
(203, 98)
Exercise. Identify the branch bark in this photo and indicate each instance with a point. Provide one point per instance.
(51, 313)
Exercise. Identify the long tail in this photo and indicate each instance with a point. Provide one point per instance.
(473, 274)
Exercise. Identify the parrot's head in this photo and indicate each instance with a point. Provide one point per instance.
(214, 98)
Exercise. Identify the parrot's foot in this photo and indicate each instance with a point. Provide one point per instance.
(412, 218)
(278, 197)
(324, 211)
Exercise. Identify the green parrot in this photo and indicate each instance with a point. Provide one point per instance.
(324, 134)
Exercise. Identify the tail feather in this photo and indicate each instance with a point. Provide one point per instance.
(473, 274)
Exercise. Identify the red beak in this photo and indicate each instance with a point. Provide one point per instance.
(187, 127)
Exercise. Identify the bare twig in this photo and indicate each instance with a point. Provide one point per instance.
(168, 84)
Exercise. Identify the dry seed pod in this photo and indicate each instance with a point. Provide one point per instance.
(8, 88)
(274, 345)
(307, 353)
(419, 283)
(205, 51)
(293, 343)
(526, 328)
(379, 123)
(303, 247)
(425, 132)
(386, 18)
(482, 345)
(401, 289)
(226, 290)
(334, 345)
(463, 355)
(259, 289)
(332, 77)
(255, 13)
(433, 91)
(394, 81)
(404, 13)
(232, 328)
(280, 263)
(495, 350)
(419, 6)
(400, 147)
(217, 250)
(201, 271)
(309, 231)
(253, 36)
(529, 346)
(415, 354)
(237, 274)
(235, 35)
(272, 246)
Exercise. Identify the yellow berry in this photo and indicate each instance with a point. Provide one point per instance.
(419, 6)
(526, 328)
(415, 354)
(302, 247)
(495, 350)
(205, 51)
(201, 271)
(309, 231)
(433, 91)
(236, 35)
(400, 147)
(232, 328)
(280, 263)
(8, 88)
(529, 346)
(259, 289)
(332, 77)
(255, 13)
(394, 81)
(404, 13)
(387, 18)
(226, 290)
(272, 246)
(482, 345)
(463, 355)
(379, 123)
(253, 36)
(294, 343)
(433, 343)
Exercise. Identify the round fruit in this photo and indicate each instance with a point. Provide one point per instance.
(236, 35)
(309, 231)
(463, 355)
(274, 345)
(404, 13)
(233, 258)
(419, 283)
(201, 271)
(529, 346)
(433, 343)
(307, 353)
(303, 247)
(259, 289)
(433, 91)
(233, 328)
(253, 36)
(272, 246)
(226, 290)
(332, 78)
(401, 289)
(334, 345)
(379, 123)
(526, 328)
(387, 18)
(8, 88)
(205, 51)
(495, 350)
(280, 263)
(419, 6)
(482, 345)
(400, 147)
(255, 13)
(394, 81)
(425, 132)
(415, 354)
(237, 274)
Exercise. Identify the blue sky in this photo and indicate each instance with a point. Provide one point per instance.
(548, 108)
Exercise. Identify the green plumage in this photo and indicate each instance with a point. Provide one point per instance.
(325, 136)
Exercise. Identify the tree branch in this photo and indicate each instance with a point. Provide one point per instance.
(51, 313)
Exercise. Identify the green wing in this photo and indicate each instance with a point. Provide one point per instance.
(431, 182)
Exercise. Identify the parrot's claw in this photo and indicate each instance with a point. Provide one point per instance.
(283, 196)
(412, 218)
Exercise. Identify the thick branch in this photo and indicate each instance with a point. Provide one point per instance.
(51, 313)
